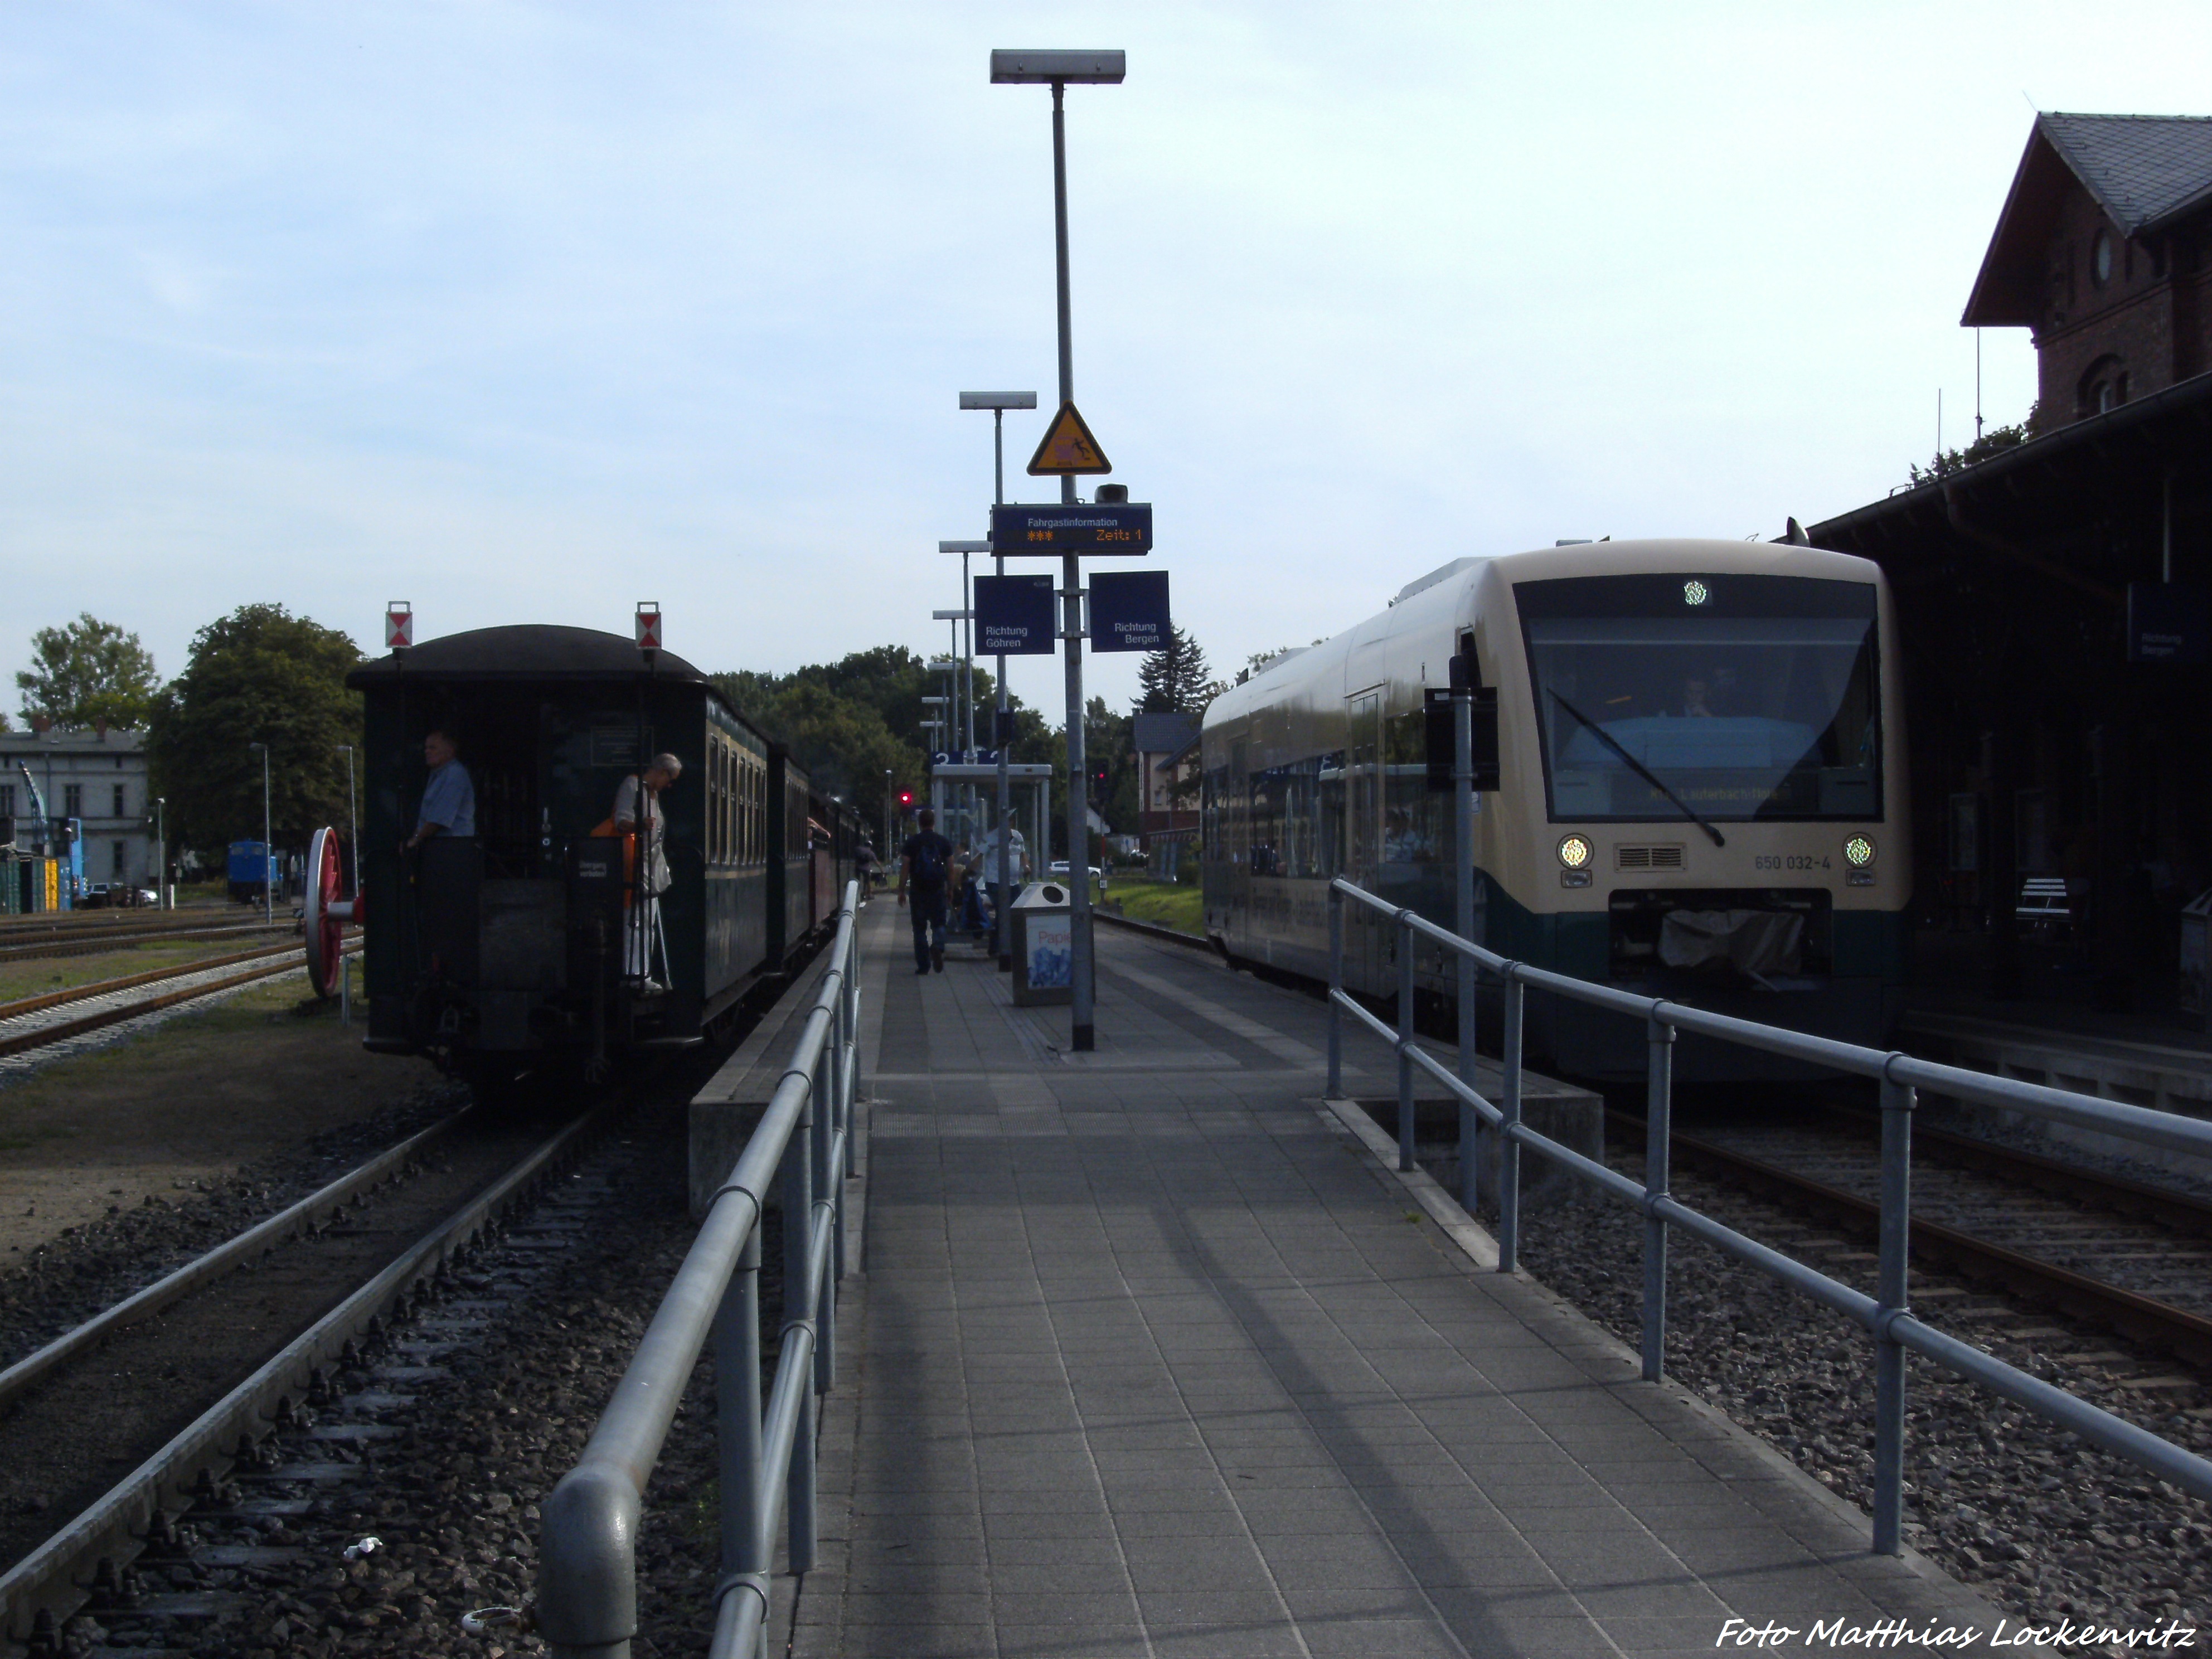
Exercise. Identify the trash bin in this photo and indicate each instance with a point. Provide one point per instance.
(1044, 946)
(2196, 957)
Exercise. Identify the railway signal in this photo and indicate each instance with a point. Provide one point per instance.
(398, 625)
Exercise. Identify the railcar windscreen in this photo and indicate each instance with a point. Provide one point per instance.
(1745, 696)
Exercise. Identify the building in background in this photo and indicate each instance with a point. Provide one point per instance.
(2104, 250)
(1166, 747)
(98, 776)
(2052, 594)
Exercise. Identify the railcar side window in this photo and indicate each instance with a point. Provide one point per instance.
(1297, 809)
(1746, 697)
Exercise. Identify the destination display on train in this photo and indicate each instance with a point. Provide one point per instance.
(1123, 528)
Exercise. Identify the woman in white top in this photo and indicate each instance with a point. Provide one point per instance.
(630, 816)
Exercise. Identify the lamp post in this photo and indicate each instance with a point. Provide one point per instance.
(160, 854)
(1057, 70)
(352, 820)
(998, 403)
(887, 815)
(268, 849)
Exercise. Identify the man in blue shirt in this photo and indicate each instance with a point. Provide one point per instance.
(449, 799)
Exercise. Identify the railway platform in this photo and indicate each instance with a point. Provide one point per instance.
(1149, 1353)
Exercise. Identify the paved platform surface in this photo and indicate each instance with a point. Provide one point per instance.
(1150, 1356)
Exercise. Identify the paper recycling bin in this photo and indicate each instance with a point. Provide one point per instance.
(1044, 946)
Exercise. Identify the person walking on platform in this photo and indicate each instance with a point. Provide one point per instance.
(924, 869)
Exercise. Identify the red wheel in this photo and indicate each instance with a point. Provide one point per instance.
(324, 915)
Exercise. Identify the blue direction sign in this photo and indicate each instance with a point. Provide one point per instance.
(1129, 611)
(1013, 615)
(1124, 527)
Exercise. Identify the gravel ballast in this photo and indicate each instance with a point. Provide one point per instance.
(2048, 1527)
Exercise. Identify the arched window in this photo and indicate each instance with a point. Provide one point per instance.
(2104, 385)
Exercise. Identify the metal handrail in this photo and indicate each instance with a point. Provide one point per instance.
(1886, 1314)
(587, 1573)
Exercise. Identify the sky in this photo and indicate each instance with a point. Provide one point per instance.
(527, 312)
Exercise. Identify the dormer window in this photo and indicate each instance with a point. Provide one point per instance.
(2100, 259)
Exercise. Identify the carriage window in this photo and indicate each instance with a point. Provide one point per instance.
(1297, 810)
(1746, 697)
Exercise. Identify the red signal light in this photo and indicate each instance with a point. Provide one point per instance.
(906, 798)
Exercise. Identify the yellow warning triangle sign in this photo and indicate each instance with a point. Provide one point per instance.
(1068, 447)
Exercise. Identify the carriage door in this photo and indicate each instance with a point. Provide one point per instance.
(1363, 757)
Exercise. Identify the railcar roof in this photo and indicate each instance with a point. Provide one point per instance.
(526, 651)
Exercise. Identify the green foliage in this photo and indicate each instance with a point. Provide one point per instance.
(260, 675)
(847, 722)
(1994, 441)
(1165, 904)
(87, 674)
(1173, 679)
(1111, 738)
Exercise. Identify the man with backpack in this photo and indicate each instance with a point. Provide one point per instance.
(925, 869)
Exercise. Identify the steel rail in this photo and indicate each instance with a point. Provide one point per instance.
(19, 1042)
(2187, 1336)
(57, 947)
(114, 1529)
(1154, 930)
(46, 1000)
(1888, 1316)
(262, 1237)
(587, 1552)
(2183, 1212)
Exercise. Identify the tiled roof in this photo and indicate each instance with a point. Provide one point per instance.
(1163, 734)
(2141, 168)
(2144, 170)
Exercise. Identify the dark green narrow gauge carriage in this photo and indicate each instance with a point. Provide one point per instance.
(505, 952)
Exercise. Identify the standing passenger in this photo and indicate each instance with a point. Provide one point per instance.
(634, 807)
(449, 797)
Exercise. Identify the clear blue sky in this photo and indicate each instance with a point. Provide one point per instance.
(525, 312)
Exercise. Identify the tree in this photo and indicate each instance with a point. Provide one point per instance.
(260, 675)
(1995, 440)
(1109, 748)
(847, 722)
(88, 673)
(1173, 679)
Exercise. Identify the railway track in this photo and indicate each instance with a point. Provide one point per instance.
(37, 945)
(168, 1399)
(33, 1022)
(2126, 1258)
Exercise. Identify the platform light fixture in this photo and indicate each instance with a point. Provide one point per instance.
(998, 403)
(1060, 71)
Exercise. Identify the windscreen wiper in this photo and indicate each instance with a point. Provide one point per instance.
(1640, 769)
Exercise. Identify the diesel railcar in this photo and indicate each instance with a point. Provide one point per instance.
(1702, 791)
(510, 952)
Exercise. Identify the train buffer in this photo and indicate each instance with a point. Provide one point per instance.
(1150, 1353)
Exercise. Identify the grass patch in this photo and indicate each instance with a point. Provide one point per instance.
(1179, 905)
(37, 976)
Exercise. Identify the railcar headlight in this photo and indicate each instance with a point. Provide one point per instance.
(1574, 851)
(1858, 852)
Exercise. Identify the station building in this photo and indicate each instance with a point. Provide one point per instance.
(2052, 594)
(99, 777)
